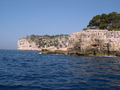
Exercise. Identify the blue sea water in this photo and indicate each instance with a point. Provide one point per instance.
(28, 70)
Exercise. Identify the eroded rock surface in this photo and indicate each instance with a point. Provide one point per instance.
(83, 41)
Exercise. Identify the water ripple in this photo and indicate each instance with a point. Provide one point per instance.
(27, 70)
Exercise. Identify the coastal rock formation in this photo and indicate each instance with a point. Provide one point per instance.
(100, 39)
(92, 41)
(88, 41)
(35, 42)
(25, 44)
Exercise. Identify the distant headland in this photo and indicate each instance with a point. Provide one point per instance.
(100, 38)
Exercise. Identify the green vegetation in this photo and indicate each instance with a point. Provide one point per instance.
(109, 21)
(47, 40)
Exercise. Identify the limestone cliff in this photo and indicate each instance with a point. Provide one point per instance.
(84, 41)
(102, 41)
(24, 44)
(35, 42)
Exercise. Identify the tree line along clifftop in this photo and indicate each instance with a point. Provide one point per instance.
(101, 37)
(110, 21)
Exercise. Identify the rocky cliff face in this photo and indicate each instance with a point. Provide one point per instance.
(25, 44)
(44, 42)
(100, 39)
(91, 39)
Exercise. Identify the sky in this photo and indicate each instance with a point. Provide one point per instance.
(20, 18)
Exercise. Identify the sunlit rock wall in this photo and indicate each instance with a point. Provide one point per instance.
(44, 42)
(102, 40)
(24, 44)
(97, 39)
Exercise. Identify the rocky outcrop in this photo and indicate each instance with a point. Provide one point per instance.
(91, 41)
(35, 42)
(25, 44)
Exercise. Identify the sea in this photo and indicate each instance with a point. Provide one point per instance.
(29, 70)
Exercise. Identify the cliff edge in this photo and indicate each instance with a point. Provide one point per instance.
(35, 42)
(89, 42)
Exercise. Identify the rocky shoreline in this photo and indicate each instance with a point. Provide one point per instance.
(87, 42)
(79, 53)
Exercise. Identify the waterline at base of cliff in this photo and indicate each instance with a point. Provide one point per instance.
(28, 70)
(80, 53)
(87, 42)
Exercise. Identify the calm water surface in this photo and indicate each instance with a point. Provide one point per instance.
(28, 70)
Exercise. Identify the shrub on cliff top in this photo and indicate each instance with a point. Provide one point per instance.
(109, 21)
